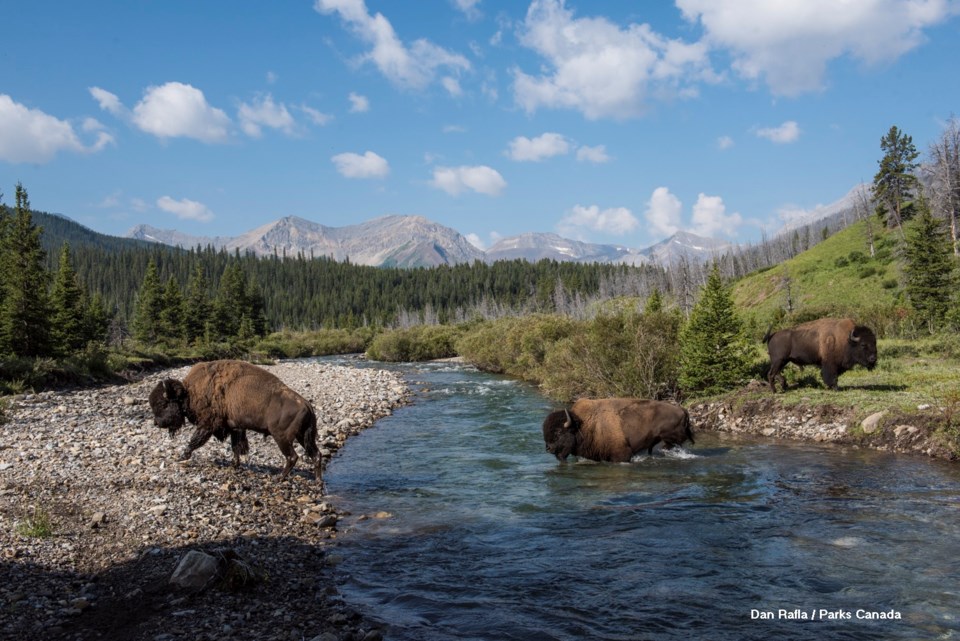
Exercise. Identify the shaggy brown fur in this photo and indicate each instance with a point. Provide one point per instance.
(835, 344)
(614, 429)
(229, 397)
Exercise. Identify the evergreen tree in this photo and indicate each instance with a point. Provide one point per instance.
(895, 182)
(97, 318)
(230, 305)
(714, 353)
(929, 268)
(25, 312)
(257, 312)
(654, 303)
(146, 320)
(171, 314)
(68, 305)
(196, 306)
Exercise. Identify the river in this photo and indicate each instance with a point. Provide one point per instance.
(462, 526)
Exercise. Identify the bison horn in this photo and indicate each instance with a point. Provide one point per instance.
(853, 336)
(569, 420)
(166, 388)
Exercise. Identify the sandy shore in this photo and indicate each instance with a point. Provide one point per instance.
(123, 511)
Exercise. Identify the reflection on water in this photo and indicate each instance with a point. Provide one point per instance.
(490, 538)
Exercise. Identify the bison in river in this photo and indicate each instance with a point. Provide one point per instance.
(835, 344)
(228, 397)
(614, 429)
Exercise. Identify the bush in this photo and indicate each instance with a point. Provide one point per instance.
(889, 283)
(866, 272)
(420, 343)
(324, 342)
(841, 262)
(38, 526)
(516, 346)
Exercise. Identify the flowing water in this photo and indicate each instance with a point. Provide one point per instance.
(471, 530)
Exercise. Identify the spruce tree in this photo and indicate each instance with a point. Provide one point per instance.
(929, 268)
(171, 314)
(146, 320)
(714, 353)
(68, 305)
(25, 312)
(97, 318)
(895, 182)
(230, 305)
(196, 306)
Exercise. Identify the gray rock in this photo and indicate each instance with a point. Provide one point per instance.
(872, 422)
(195, 571)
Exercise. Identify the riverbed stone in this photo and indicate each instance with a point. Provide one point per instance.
(870, 424)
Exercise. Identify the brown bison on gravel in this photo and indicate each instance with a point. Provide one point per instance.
(228, 397)
(614, 429)
(835, 344)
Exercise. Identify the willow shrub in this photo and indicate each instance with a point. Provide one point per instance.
(322, 342)
(517, 346)
(419, 343)
(622, 354)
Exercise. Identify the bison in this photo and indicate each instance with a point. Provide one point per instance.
(229, 397)
(835, 344)
(614, 429)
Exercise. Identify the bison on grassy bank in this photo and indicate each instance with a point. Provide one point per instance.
(835, 344)
(228, 397)
(614, 429)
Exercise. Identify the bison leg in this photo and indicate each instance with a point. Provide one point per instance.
(200, 436)
(239, 445)
(290, 454)
(775, 375)
(830, 376)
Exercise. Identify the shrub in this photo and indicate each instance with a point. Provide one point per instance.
(39, 525)
(841, 262)
(866, 272)
(420, 343)
(516, 346)
(889, 283)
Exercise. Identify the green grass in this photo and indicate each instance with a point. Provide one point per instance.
(37, 526)
(837, 277)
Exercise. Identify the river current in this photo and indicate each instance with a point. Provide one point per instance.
(464, 527)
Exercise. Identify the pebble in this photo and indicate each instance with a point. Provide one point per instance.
(123, 510)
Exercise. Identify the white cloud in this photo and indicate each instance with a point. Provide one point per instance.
(601, 69)
(272, 78)
(663, 211)
(724, 143)
(469, 8)
(369, 165)
(476, 241)
(523, 149)
(454, 129)
(452, 85)
(617, 220)
(786, 133)
(788, 44)
(710, 216)
(32, 136)
(596, 155)
(412, 66)
(185, 209)
(316, 116)
(264, 112)
(358, 104)
(480, 178)
(108, 102)
(176, 110)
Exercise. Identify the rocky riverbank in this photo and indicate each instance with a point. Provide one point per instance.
(928, 430)
(96, 512)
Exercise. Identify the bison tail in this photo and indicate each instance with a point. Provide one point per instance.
(687, 428)
(768, 335)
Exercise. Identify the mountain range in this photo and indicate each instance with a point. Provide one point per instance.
(414, 241)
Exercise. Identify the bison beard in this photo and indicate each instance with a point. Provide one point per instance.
(229, 397)
(836, 345)
(614, 429)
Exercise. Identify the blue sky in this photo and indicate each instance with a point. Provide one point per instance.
(613, 122)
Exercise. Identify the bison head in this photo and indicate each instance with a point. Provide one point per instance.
(168, 401)
(863, 347)
(560, 430)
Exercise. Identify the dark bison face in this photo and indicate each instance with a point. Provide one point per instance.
(863, 347)
(560, 433)
(168, 400)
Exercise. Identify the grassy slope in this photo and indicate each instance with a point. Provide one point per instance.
(828, 279)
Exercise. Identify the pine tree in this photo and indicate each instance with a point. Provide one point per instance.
(196, 306)
(97, 318)
(230, 304)
(895, 182)
(654, 303)
(67, 302)
(171, 314)
(714, 353)
(929, 268)
(25, 313)
(146, 320)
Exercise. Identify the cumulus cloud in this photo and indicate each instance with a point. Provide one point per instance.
(600, 68)
(316, 116)
(369, 165)
(479, 178)
(475, 240)
(358, 104)
(414, 66)
(32, 136)
(616, 220)
(452, 85)
(724, 143)
(177, 110)
(108, 101)
(547, 145)
(664, 211)
(469, 8)
(185, 209)
(788, 44)
(264, 112)
(786, 133)
(596, 155)
(710, 217)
